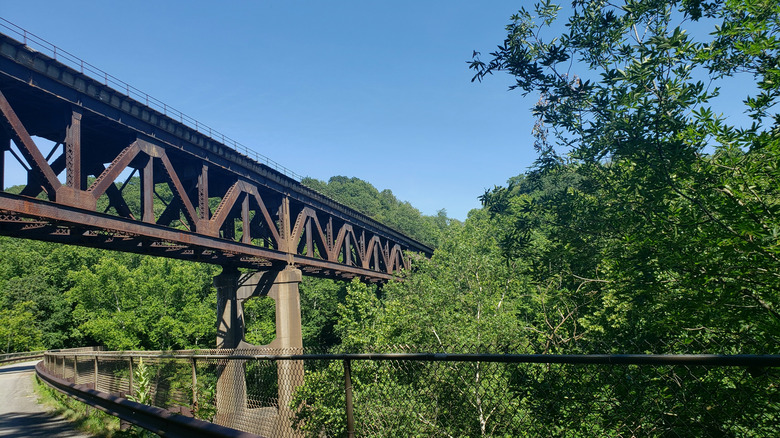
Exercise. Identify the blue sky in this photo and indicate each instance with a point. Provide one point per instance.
(374, 90)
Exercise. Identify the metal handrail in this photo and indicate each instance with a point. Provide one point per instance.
(748, 360)
(756, 364)
(63, 56)
(37, 354)
(20, 356)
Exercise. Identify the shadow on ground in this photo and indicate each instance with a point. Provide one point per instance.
(23, 424)
(17, 369)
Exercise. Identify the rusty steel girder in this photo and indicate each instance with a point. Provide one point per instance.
(199, 199)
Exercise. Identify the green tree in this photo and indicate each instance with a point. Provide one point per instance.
(131, 302)
(18, 329)
(320, 299)
(676, 209)
(37, 272)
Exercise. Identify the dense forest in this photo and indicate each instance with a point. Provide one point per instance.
(56, 296)
(649, 222)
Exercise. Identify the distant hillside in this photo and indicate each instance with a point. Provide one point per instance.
(383, 206)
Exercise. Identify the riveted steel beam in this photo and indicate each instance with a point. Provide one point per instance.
(37, 219)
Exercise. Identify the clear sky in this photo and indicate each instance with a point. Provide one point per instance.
(376, 90)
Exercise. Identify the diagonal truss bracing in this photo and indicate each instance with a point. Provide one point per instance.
(196, 198)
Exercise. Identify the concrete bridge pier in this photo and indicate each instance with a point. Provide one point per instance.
(232, 291)
(231, 383)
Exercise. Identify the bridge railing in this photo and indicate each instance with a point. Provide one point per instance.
(20, 356)
(429, 394)
(35, 42)
(32, 355)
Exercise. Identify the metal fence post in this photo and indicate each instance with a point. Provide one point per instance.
(75, 368)
(348, 394)
(95, 359)
(194, 387)
(63, 366)
(131, 375)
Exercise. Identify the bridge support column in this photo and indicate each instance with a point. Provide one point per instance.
(231, 383)
(289, 340)
(282, 287)
(230, 317)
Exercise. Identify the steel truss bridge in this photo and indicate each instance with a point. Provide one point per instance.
(82, 144)
(199, 200)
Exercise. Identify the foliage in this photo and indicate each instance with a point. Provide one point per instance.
(206, 403)
(18, 331)
(75, 296)
(36, 273)
(142, 384)
(319, 311)
(660, 209)
(259, 320)
(467, 294)
(133, 302)
(359, 317)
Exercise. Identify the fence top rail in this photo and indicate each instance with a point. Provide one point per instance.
(21, 353)
(750, 360)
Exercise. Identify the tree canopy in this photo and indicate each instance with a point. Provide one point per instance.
(667, 210)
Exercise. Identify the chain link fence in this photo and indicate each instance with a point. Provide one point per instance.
(395, 391)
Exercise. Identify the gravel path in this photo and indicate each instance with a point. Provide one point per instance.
(20, 413)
